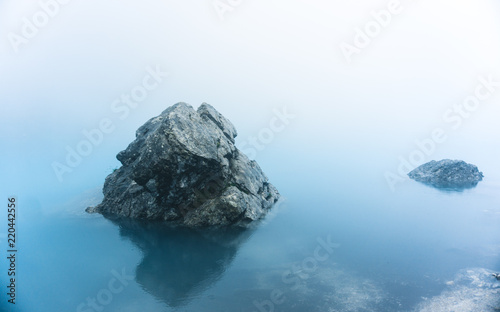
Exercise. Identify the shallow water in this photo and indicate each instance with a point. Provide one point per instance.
(417, 249)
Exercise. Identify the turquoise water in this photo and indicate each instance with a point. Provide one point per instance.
(357, 249)
(341, 239)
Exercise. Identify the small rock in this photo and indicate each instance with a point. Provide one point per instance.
(446, 173)
(91, 210)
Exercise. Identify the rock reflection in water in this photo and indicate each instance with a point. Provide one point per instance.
(451, 188)
(179, 263)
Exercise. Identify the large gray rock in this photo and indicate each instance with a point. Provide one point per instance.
(447, 173)
(183, 166)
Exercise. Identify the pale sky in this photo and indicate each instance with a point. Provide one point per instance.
(261, 56)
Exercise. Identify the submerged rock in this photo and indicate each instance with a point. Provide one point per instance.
(472, 290)
(447, 173)
(183, 166)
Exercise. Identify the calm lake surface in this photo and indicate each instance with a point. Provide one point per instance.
(327, 96)
(340, 247)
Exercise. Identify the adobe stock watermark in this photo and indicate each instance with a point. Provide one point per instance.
(105, 296)
(279, 122)
(121, 107)
(454, 117)
(30, 27)
(222, 7)
(298, 273)
(363, 36)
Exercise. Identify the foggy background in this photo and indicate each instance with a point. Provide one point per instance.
(261, 56)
